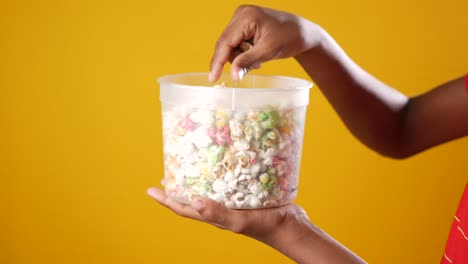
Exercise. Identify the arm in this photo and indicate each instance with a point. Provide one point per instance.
(286, 228)
(378, 115)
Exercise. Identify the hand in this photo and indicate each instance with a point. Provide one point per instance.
(273, 35)
(286, 228)
(261, 224)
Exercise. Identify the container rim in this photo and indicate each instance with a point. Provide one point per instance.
(305, 84)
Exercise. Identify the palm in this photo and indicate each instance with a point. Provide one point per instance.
(254, 223)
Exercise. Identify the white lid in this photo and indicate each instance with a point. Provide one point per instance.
(254, 91)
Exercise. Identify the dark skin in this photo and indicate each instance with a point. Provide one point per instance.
(381, 117)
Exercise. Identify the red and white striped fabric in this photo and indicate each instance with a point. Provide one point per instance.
(456, 251)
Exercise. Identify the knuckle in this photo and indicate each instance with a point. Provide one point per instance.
(247, 8)
(211, 215)
(238, 228)
(248, 12)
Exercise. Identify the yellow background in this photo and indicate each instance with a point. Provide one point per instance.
(81, 131)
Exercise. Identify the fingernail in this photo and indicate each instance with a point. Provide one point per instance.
(213, 70)
(155, 193)
(198, 204)
(242, 73)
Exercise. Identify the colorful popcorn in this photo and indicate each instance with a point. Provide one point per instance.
(243, 159)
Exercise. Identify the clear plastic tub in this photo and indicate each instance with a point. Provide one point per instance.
(239, 146)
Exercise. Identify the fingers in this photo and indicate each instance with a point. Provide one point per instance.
(228, 42)
(243, 26)
(249, 60)
(216, 213)
(207, 206)
(178, 208)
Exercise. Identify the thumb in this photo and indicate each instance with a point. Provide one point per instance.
(251, 59)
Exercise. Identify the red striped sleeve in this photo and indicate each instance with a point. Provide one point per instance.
(456, 251)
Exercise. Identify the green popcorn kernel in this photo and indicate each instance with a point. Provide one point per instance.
(191, 180)
(274, 116)
(214, 154)
(270, 183)
(202, 187)
(271, 120)
(262, 116)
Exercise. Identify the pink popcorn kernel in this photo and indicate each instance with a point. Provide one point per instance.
(281, 166)
(276, 161)
(284, 184)
(187, 123)
(221, 136)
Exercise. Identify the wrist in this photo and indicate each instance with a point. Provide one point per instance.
(292, 232)
(314, 37)
(303, 242)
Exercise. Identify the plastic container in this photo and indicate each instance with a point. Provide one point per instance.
(239, 146)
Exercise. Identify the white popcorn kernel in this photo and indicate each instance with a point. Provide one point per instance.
(241, 177)
(204, 117)
(262, 195)
(241, 145)
(256, 188)
(222, 117)
(251, 154)
(188, 138)
(238, 199)
(201, 137)
(236, 128)
(254, 170)
(219, 170)
(245, 190)
(245, 170)
(229, 204)
(192, 171)
(187, 150)
(232, 185)
(229, 176)
(268, 160)
(202, 154)
(220, 186)
(237, 170)
(218, 197)
(173, 147)
(268, 156)
(229, 161)
(179, 175)
(270, 152)
(240, 116)
(252, 201)
(257, 130)
(239, 204)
